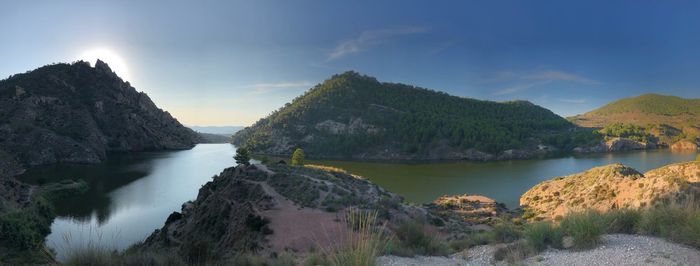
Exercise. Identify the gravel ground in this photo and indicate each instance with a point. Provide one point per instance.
(479, 255)
(613, 250)
(623, 250)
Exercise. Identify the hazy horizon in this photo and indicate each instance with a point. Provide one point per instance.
(216, 63)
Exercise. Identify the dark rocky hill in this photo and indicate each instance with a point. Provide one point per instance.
(355, 116)
(78, 113)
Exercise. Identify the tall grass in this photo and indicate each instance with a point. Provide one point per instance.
(679, 222)
(364, 240)
(413, 238)
(542, 234)
(585, 228)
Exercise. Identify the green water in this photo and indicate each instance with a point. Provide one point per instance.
(504, 181)
(132, 194)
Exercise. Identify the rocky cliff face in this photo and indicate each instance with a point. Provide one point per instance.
(611, 187)
(78, 113)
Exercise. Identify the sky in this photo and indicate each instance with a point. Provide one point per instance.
(234, 62)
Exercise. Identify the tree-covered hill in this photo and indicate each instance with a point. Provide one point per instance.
(669, 118)
(355, 116)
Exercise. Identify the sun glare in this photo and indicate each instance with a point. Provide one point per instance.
(115, 62)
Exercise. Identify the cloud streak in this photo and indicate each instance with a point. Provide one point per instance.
(370, 38)
(574, 101)
(518, 88)
(262, 88)
(521, 82)
(555, 75)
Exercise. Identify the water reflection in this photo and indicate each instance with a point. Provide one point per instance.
(130, 194)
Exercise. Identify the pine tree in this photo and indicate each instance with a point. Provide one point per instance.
(298, 157)
(242, 156)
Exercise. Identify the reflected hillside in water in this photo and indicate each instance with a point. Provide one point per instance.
(117, 171)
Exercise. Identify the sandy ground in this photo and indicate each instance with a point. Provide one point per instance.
(613, 250)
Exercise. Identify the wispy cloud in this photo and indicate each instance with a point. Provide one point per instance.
(555, 75)
(262, 88)
(518, 88)
(368, 39)
(524, 81)
(574, 101)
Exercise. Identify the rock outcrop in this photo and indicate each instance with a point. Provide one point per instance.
(684, 145)
(274, 208)
(611, 187)
(615, 145)
(78, 113)
(278, 207)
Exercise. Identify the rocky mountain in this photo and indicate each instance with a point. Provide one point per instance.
(78, 113)
(355, 116)
(668, 118)
(611, 187)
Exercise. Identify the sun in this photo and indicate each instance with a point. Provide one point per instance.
(115, 62)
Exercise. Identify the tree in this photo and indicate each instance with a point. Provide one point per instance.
(242, 156)
(298, 157)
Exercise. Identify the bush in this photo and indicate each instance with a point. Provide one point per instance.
(676, 223)
(585, 228)
(472, 239)
(415, 240)
(363, 242)
(17, 231)
(505, 232)
(541, 234)
(621, 221)
(514, 252)
(298, 157)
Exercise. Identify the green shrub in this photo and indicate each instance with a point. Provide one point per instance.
(413, 237)
(17, 231)
(471, 240)
(585, 228)
(541, 234)
(514, 252)
(621, 221)
(676, 223)
(505, 232)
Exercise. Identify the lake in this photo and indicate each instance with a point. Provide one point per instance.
(132, 194)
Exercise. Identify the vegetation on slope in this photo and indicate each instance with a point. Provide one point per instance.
(667, 118)
(352, 114)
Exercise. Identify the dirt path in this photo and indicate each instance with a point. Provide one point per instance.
(613, 250)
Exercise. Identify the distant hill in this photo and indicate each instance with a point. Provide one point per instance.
(77, 113)
(214, 138)
(355, 116)
(220, 130)
(669, 118)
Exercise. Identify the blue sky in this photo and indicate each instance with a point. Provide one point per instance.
(233, 62)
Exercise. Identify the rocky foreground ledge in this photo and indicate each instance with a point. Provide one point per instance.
(611, 187)
(277, 208)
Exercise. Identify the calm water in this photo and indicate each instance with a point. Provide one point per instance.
(503, 181)
(132, 194)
